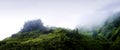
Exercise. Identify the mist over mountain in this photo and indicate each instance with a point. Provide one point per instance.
(111, 24)
(59, 24)
(98, 18)
(36, 36)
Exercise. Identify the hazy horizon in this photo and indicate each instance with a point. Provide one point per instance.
(60, 13)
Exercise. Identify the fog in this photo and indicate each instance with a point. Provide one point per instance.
(100, 16)
(58, 13)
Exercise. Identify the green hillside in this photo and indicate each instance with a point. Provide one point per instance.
(39, 37)
(57, 39)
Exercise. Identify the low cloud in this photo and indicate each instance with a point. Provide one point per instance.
(99, 17)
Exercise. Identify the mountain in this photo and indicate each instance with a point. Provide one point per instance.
(32, 37)
(36, 36)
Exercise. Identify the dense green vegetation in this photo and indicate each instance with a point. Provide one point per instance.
(56, 39)
(104, 38)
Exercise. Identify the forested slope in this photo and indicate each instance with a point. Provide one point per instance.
(35, 36)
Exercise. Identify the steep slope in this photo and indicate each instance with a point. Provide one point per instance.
(111, 31)
(112, 27)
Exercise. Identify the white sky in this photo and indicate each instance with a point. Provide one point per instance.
(60, 13)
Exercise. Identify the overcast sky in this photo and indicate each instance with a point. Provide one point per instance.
(60, 13)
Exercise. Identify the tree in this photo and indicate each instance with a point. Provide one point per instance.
(33, 25)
